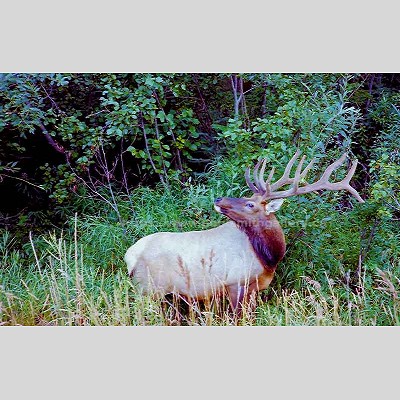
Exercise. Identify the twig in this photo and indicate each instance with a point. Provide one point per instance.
(52, 101)
(34, 253)
(370, 85)
(264, 103)
(95, 192)
(204, 109)
(236, 98)
(107, 174)
(177, 152)
(364, 252)
(146, 142)
(124, 179)
(159, 143)
(56, 146)
(23, 180)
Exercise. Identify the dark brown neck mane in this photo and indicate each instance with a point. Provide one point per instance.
(267, 240)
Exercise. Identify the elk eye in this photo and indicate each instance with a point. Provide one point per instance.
(250, 205)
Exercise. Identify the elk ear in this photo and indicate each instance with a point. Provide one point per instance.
(273, 206)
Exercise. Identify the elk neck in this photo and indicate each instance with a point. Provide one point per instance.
(267, 239)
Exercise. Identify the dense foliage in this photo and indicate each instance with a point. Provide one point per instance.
(91, 162)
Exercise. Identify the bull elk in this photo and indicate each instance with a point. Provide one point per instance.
(238, 257)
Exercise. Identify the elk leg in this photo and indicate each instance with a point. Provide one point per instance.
(240, 296)
(236, 296)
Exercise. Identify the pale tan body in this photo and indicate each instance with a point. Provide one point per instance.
(197, 264)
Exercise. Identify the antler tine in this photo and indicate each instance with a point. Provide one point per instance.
(268, 183)
(269, 191)
(259, 186)
(344, 184)
(297, 175)
(271, 174)
(263, 185)
(255, 175)
(335, 165)
(306, 169)
(351, 172)
(249, 182)
(322, 184)
(347, 179)
(285, 178)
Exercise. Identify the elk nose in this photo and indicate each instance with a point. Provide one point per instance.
(217, 200)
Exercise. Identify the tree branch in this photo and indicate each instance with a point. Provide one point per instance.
(146, 142)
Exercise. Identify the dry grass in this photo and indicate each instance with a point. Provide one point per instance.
(80, 279)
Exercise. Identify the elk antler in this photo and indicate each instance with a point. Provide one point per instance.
(269, 191)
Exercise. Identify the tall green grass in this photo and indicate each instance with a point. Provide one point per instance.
(342, 266)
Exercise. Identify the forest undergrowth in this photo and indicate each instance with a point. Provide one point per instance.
(341, 266)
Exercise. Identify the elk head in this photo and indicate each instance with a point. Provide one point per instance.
(267, 198)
